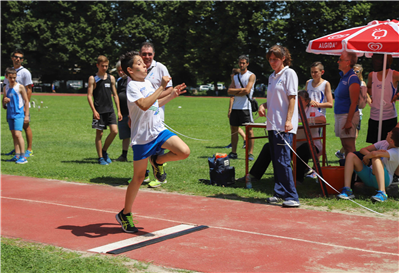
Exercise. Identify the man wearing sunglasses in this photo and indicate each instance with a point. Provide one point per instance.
(24, 77)
(155, 72)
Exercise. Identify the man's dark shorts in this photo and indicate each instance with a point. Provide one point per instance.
(105, 119)
(372, 132)
(239, 117)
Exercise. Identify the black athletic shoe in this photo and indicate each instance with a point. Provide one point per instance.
(121, 159)
(393, 190)
(126, 221)
(232, 155)
(158, 169)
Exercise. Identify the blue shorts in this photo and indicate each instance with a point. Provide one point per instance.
(123, 128)
(154, 147)
(369, 179)
(16, 124)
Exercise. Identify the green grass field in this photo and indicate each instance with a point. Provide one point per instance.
(20, 256)
(64, 149)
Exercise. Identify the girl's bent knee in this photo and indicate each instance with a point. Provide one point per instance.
(186, 153)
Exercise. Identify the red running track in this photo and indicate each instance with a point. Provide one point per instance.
(242, 236)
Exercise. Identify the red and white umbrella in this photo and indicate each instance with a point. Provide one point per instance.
(380, 37)
(376, 37)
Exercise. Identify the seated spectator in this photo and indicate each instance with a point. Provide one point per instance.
(384, 156)
(262, 162)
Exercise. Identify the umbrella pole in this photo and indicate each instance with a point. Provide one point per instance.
(382, 98)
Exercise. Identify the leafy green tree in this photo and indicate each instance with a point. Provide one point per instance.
(199, 41)
(71, 36)
(308, 20)
(222, 31)
(14, 15)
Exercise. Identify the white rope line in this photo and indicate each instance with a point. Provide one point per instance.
(170, 128)
(321, 177)
(182, 134)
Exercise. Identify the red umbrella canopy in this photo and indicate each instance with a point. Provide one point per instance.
(376, 37)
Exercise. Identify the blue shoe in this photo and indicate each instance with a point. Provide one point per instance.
(346, 194)
(106, 158)
(14, 159)
(340, 155)
(228, 146)
(251, 157)
(21, 160)
(28, 153)
(11, 153)
(102, 161)
(379, 197)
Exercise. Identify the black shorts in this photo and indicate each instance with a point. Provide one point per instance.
(239, 117)
(105, 119)
(372, 131)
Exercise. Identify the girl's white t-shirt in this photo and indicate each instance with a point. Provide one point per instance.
(282, 85)
(145, 125)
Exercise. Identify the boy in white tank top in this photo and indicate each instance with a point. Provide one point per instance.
(319, 89)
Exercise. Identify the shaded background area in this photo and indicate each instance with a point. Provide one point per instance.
(199, 41)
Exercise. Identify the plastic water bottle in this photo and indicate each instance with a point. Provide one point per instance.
(312, 116)
(248, 183)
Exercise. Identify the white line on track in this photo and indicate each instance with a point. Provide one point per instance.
(141, 238)
(215, 227)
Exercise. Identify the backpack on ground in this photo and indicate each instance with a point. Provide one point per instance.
(220, 171)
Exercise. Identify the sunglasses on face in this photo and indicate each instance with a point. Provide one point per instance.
(18, 57)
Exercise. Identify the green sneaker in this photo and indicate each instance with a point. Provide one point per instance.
(126, 221)
(158, 169)
(156, 184)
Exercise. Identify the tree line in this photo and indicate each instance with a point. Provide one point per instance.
(199, 41)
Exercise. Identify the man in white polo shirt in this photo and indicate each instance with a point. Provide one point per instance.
(155, 72)
(24, 77)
